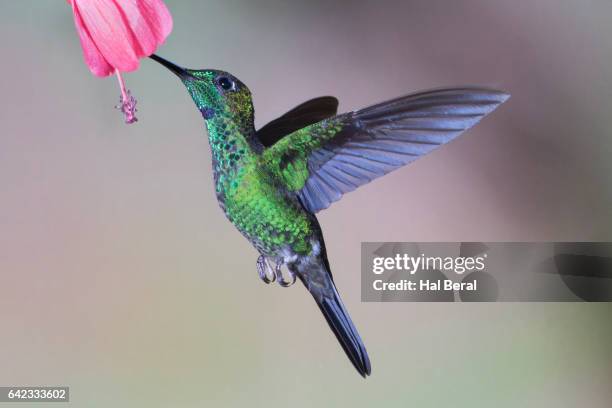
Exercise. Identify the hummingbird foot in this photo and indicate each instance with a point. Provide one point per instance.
(281, 279)
(269, 274)
(265, 271)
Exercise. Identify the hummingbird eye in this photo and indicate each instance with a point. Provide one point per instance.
(225, 83)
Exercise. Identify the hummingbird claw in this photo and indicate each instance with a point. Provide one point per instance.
(281, 279)
(264, 270)
(269, 274)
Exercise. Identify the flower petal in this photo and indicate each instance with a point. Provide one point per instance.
(95, 61)
(150, 23)
(110, 33)
(158, 15)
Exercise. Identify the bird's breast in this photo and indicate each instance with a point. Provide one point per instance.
(270, 217)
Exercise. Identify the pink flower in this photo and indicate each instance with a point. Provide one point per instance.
(115, 34)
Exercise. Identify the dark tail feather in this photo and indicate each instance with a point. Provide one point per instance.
(341, 324)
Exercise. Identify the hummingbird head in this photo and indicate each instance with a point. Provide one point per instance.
(217, 94)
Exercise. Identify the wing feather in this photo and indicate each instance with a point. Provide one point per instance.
(346, 151)
(307, 113)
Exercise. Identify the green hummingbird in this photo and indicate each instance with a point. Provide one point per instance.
(271, 182)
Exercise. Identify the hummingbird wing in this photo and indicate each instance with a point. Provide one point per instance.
(309, 112)
(325, 160)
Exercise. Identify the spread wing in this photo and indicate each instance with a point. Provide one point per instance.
(323, 161)
(312, 111)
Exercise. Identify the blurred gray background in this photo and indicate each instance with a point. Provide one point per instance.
(120, 277)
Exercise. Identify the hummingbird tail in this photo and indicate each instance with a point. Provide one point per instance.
(321, 287)
(341, 324)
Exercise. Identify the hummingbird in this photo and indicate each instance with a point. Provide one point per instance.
(271, 182)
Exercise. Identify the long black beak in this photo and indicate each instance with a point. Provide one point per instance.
(179, 71)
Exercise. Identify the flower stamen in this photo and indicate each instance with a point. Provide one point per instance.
(127, 103)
